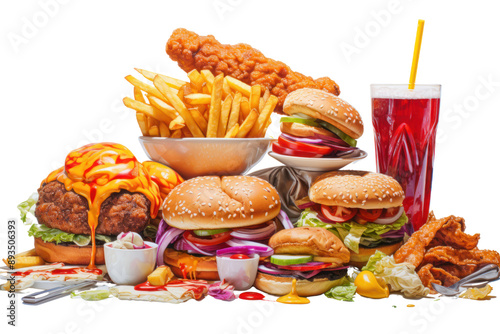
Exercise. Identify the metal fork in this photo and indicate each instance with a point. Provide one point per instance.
(51, 294)
(487, 273)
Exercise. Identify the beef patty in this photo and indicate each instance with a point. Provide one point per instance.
(67, 211)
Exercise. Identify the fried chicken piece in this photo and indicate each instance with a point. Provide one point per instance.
(414, 249)
(242, 62)
(429, 274)
(443, 254)
(452, 234)
(459, 271)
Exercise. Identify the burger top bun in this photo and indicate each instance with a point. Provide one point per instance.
(310, 240)
(211, 202)
(327, 107)
(356, 189)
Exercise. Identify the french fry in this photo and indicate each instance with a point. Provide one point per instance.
(244, 109)
(266, 95)
(176, 134)
(138, 95)
(164, 107)
(172, 82)
(248, 124)
(186, 90)
(154, 131)
(239, 86)
(261, 104)
(254, 97)
(204, 89)
(196, 79)
(226, 90)
(164, 130)
(264, 129)
(177, 123)
(199, 119)
(198, 98)
(234, 116)
(144, 87)
(263, 117)
(215, 107)
(25, 261)
(174, 100)
(141, 120)
(233, 131)
(224, 116)
(186, 133)
(209, 78)
(147, 109)
(180, 94)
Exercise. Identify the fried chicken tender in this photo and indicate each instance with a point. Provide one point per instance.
(414, 249)
(429, 274)
(452, 234)
(242, 62)
(447, 254)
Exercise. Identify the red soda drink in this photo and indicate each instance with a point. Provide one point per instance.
(405, 124)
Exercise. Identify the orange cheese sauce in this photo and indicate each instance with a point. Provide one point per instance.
(166, 178)
(188, 265)
(95, 171)
(293, 297)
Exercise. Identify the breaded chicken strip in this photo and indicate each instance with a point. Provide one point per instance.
(242, 62)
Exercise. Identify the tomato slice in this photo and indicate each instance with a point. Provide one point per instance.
(313, 148)
(209, 240)
(239, 257)
(390, 212)
(369, 214)
(306, 267)
(338, 213)
(277, 148)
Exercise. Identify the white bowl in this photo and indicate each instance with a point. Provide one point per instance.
(193, 157)
(240, 273)
(130, 266)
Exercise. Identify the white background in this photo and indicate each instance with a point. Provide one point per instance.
(62, 68)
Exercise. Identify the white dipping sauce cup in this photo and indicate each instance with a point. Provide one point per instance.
(130, 266)
(240, 273)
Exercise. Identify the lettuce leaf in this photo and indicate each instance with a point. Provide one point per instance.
(28, 207)
(344, 291)
(48, 234)
(372, 261)
(352, 233)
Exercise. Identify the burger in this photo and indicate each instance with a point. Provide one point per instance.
(363, 209)
(313, 256)
(319, 124)
(101, 191)
(206, 214)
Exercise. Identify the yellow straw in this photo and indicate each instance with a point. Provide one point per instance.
(416, 53)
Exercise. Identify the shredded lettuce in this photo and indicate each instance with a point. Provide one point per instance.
(150, 231)
(344, 291)
(400, 276)
(48, 234)
(28, 207)
(352, 233)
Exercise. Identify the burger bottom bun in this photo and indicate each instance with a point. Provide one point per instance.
(280, 286)
(69, 254)
(359, 259)
(206, 266)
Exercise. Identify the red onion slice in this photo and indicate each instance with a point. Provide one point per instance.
(164, 241)
(387, 221)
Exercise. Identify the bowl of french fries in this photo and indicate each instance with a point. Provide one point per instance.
(208, 125)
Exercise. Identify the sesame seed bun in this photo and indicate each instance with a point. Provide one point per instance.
(302, 130)
(359, 259)
(356, 189)
(312, 241)
(279, 285)
(211, 202)
(327, 107)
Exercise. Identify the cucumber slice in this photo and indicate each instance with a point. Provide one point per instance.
(206, 233)
(348, 139)
(286, 260)
(309, 122)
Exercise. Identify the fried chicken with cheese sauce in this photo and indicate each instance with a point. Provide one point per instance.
(242, 62)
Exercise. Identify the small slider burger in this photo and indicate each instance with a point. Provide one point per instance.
(101, 191)
(319, 124)
(206, 214)
(363, 209)
(313, 256)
